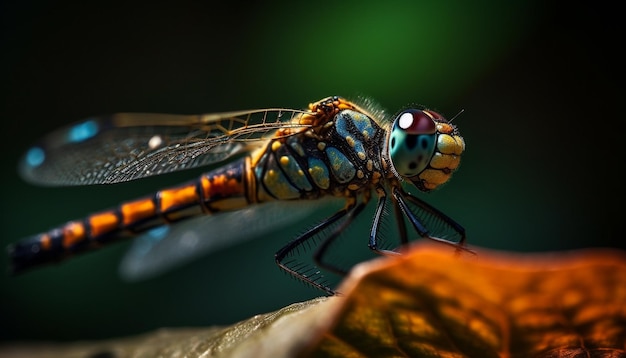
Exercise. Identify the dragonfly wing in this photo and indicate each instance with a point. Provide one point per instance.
(170, 246)
(128, 146)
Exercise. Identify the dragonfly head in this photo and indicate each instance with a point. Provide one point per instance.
(424, 148)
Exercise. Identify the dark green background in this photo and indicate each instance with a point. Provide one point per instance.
(542, 88)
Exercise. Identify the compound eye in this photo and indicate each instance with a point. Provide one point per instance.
(412, 142)
(414, 121)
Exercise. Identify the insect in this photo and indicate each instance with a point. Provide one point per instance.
(273, 157)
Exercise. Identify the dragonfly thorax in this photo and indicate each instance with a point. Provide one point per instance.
(342, 154)
(424, 148)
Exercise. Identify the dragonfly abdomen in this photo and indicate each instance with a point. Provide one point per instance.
(219, 190)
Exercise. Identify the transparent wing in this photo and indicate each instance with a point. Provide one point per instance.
(167, 247)
(129, 146)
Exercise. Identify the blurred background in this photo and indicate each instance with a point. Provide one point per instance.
(541, 86)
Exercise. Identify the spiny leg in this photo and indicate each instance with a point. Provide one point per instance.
(297, 270)
(442, 219)
(404, 238)
(378, 216)
(323, 248)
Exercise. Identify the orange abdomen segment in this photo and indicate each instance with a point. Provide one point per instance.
(223, 189)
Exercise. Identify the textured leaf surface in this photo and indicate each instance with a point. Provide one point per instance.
(427, 303)
(432, 304)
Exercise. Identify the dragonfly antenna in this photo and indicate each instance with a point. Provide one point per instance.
(456, 115)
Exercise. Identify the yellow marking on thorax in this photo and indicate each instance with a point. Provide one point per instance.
(278, 187)
(319, 177)
(256, 155)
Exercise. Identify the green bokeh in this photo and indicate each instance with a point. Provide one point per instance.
(540, 86)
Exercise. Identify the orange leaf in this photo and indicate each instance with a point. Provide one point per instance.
(432, 303)
(427, 303)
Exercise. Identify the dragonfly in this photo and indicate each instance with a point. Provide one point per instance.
(265, 163)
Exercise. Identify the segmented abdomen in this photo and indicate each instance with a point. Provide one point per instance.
(222, 189)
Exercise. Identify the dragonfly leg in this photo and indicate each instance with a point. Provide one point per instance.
(374, 240)
(308, 274)
(404, 238)
(323, 247)
(402, 198)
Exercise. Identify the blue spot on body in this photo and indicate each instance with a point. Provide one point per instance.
(35, 157)
(363, 125)
(145, 243)
(341, 123)
(359, 120)
(319, 173)
(278, 185)
(358, 146)
(296, 174)
(158, 232)
(82, 131)
(340, 165)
